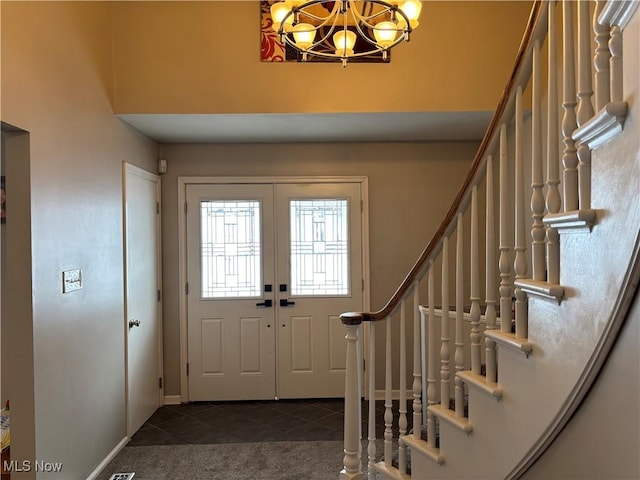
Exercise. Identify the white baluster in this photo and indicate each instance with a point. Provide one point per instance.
(371, 364)
(459, 354)
(504, 262)
(520, 262)
(585, 89)
(352, 468)
(585, 106)
(432, 393)
(537, 181)
(601, 60)
(615, 47)
(388, 403)
(553, 193)
(402, 409)
(490, 272)
(569, 124)
(475, 286)
(445, 352)
(417, 365)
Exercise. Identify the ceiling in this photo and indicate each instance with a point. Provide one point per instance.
(311, 128)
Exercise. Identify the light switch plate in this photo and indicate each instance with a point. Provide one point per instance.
(71, 280)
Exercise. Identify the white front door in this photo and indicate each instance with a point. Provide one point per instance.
(231, 326)
(319, 277)
(270, 268)
(142, 277)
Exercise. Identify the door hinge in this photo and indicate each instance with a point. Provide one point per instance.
(158, 208)
(363, 284)
(160, 382)
(187, 369)
(159, 295)
(185, 208)
(186, 288)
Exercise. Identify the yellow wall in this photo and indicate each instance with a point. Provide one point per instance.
(187, 57)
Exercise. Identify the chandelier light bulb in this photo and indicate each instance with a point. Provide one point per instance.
(412, 9)
(344, 41)
(304, 34)
(278, 13)
(385, 33)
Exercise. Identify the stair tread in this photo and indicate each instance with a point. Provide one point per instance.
(481, 382)
(450, 416)
(422, 446)
(510, 340)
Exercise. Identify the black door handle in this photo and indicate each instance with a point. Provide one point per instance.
(285, 303)
(266, 303)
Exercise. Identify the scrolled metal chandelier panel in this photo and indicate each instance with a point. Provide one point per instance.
(344, 30)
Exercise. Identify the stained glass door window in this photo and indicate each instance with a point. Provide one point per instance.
(319, 247)
(230, 248)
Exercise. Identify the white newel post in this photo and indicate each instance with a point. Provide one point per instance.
(504, 262)
(584, 111)
(490, 273)
(520, 262)
(569, 155)
(352, 468)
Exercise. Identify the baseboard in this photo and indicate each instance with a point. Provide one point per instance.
(93, 475)
(172, 400)
(395, 395)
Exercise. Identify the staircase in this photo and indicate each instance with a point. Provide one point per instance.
(500, 328)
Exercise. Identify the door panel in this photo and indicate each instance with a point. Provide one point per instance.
(301, 344)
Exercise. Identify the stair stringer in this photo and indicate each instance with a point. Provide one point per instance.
(570, 341)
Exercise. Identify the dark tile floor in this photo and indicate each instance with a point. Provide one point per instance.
(251, 421)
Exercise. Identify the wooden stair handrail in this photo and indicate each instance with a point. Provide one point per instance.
(536, 28)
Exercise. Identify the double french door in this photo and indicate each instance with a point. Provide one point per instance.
(270, 268)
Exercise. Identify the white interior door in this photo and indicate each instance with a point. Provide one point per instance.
(142, 278)
(230, 245)
(270, 268)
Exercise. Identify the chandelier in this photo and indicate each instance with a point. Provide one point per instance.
(344, 29)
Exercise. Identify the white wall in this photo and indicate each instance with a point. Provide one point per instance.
(56, 84)
(602, 439)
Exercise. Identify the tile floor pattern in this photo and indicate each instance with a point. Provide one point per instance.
(252, 421)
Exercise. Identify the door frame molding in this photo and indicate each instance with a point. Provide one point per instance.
(183, 182)
(129, 168)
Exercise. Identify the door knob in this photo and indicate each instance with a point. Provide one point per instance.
(266, 303)
(286, 303)
(134, 323)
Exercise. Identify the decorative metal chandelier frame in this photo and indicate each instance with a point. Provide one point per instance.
(379, 25)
